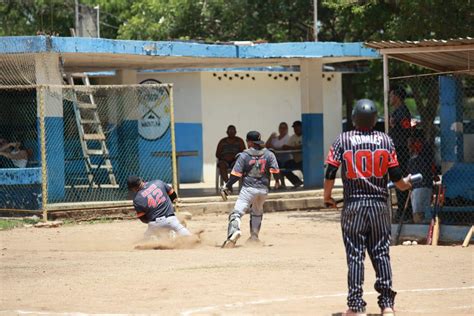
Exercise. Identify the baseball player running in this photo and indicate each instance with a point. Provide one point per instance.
(366, 156)
(153, 202)
(254, 165)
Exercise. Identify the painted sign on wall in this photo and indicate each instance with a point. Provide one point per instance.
(154, 111)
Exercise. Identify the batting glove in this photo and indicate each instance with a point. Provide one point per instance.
(225, 192)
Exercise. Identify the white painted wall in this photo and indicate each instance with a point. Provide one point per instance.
(332, 98)
(259, 104)
(187, 93)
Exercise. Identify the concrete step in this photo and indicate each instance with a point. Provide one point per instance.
(271, 196)
(271, 205)
(276, 202)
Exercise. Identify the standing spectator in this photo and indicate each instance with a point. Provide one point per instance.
(400, 131)
(294, 143)
(227, 150)
(421, 161)
(277, 142)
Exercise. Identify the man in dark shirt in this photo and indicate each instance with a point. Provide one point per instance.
(153, 202)
(367, 157)
(400, 131)
(227, 151)
(421, 161)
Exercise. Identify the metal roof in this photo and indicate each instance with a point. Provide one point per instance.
(452, 55)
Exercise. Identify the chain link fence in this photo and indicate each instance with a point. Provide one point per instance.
(432, 124)
(80, 143)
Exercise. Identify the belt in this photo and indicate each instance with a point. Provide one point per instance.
(165, 216)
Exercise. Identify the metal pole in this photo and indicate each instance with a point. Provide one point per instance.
(386, 86)
(76, 12)
(44, 171)
(315, 20)
(97, 7)
(173, 143)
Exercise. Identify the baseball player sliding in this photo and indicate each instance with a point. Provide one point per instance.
(153, 202)
(254, 165)
(366, 156)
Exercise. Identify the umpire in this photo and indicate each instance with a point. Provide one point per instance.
(366, 156)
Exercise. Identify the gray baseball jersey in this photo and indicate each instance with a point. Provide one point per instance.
(255, 166)
(153, 200)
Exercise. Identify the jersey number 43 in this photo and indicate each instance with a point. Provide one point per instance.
(366, 163)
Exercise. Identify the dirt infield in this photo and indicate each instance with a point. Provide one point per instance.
(300, 270)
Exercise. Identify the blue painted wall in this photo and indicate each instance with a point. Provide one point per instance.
(20, 188)
(313, 150)
(131, 154)
(189, 138)
(54, 157)
(451, 111)
(28, 44)
(127, 151)
(152, 167)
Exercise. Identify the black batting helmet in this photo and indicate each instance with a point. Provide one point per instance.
(364, 114)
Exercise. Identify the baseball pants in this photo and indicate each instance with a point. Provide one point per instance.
(366, 226)
(164, 225)
(254, 197)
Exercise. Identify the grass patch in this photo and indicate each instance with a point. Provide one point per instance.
(6, 224)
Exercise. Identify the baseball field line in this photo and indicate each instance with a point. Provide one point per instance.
(307, 297)
(250, 303)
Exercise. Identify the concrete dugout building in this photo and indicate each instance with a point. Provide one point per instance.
(252, 86)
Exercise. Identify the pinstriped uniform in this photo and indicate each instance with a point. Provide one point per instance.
(365, 157)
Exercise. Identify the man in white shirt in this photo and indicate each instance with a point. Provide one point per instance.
(295, 143)
(277, 142)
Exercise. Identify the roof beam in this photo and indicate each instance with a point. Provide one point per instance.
(426, 49)
(419, 62)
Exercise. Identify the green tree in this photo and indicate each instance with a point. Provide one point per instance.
(29, 17)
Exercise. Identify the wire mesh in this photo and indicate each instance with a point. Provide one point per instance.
(20, 157)
(432, 125)
(94, 138)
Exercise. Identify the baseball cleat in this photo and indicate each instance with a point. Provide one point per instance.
(253, 239)
(231, 241)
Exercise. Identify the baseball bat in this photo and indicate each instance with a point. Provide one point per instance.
(429, 236)
(437, 220)
(467, 240)
(416, 178)
(402, 216)
(436, 229)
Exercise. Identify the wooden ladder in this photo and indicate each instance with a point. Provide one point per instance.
(93, 141)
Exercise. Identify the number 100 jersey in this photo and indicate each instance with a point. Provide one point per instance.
(365, 157)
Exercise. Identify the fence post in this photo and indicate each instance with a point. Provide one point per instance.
(173, 143)
(44, 174)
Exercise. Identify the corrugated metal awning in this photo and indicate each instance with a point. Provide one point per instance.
(456, 55)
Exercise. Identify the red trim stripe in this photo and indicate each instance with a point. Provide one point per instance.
(235, 173)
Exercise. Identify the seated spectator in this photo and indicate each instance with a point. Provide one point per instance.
(17, 154)
(277, 142)
(421, 161)
(4, 145)
(294, 143)
(227, 150)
